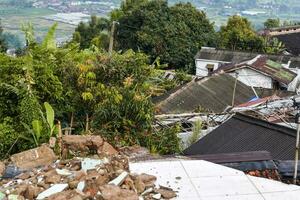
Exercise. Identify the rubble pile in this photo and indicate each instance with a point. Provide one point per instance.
(105, 178)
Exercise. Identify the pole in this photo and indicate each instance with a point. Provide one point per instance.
(297, 150)
(235, 83)
(111, 40)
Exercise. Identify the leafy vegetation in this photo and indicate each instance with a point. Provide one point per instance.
(88, 90)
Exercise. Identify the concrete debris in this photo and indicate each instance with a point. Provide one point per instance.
(52, 190)
(63, 172)
(119, 180)
(156, 196)
(104, 178)
(79, 145)
(88, 163)
(34, 158)
(81, 186)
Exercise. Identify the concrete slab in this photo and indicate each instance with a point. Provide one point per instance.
(202, 180)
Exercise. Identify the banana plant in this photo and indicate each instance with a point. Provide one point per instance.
(35, 132)
(50, 118)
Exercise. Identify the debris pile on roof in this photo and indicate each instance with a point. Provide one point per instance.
(103, 178)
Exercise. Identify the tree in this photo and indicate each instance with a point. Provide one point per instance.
(272, 23)
(85, 33)
(173, 33)
(239, 35)
(3, 45)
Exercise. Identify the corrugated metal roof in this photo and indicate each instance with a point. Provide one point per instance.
(212, 93)
(291, 42)
(243, 133)
(265, 66)
(238, 56)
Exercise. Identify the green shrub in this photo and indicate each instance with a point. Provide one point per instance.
(9, 138)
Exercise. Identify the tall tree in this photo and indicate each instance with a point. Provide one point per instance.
(238, 34)
(173, 33)
(85, 33)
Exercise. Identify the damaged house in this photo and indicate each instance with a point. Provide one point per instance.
(262, 72)
(208, 60)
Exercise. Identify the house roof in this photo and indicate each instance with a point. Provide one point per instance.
(243, 133)
(238, 56)
(291, 42)
(265, 66)
(211, 93)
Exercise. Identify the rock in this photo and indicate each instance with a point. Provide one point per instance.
(73, 184)
(34, 158)
(139, 185)
(82, 143)
(79, 175)
(32, 192)
(107, 149)
(147, 179)
(102, 180)
(2, 169)
(52, 190)
(20, 189)
(167, 193)
(53, 179)
(69, 195)
(110, 192)
(119, 180)
(24, 176)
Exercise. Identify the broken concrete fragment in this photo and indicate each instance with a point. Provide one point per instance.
(89, 163)
(15, 197)
(66, 195)
(52, 190)
(109, 192)
(119, 180)
(167, 193)
(32, 192)
(147, 179)
(63, 172)
(149, 190)
(139, 185)
(107, 149)
(53, 179)
(34, 158)
(156, 196)
(81, 186)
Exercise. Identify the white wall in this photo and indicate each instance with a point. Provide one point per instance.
(201, 69)
(253, 78)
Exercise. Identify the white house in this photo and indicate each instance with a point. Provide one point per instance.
(262, 72)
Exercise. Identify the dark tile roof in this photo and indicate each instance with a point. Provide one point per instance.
(211, 94)
(265, 66)
(291, 42)
(238, 56)
(243, 133)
